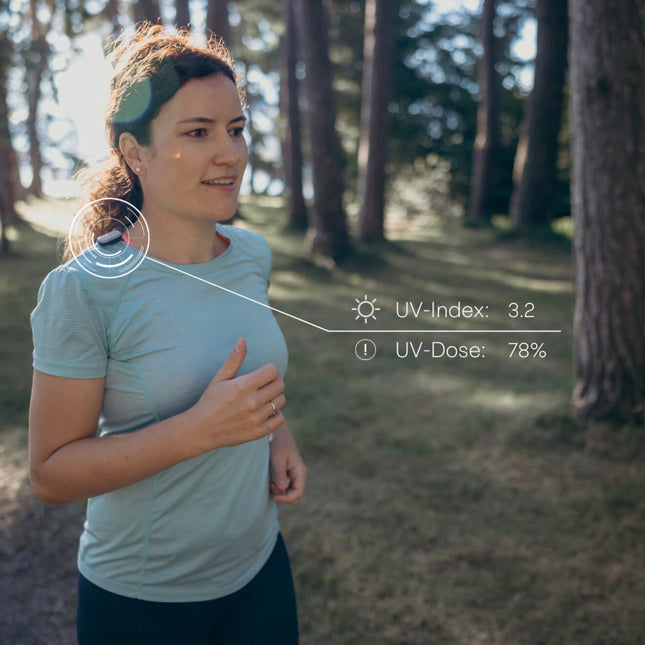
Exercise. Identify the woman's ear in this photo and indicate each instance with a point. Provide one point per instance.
(131, 151)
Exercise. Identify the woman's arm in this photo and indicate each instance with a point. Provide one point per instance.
(68, 462)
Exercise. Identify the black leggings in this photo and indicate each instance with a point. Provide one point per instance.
(261, 613)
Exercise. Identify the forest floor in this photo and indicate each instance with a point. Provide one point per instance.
(450, 501)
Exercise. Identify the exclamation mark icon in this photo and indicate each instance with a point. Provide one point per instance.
(365, 349)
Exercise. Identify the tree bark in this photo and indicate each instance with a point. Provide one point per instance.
(36, 66)
(486, 148)
(535, 172)
(39, 53)
(7, 194)
(182, 14)
(608, 201)
(329, 232)
(217, 20)
(147, 10)
(290, 122)
(253, 161)
(17, 189)
(372, 151)
(112, 14)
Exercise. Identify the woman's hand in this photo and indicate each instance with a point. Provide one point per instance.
(236, 409)
(289, 470)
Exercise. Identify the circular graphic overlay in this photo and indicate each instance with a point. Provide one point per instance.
(117, 258)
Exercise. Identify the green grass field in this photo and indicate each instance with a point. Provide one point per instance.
(449, 500)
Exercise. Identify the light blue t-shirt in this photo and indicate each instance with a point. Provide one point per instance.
(203, 528)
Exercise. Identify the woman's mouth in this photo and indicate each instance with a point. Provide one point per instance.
(222, 182)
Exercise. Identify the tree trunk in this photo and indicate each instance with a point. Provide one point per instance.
(217, 20)
(37, 65)
(147, 10)
(290, 122)
(608, 202)
(182, 14)
(532, 204)
(372, 151)
(7, 192)
(112, 14)
(486, 150)
(253, 162)
(17, 189)
(329, 234)
(35, 68)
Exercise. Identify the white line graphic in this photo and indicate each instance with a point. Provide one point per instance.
(117, 264)
(359, 331)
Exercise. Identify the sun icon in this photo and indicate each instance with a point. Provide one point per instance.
(365, 308)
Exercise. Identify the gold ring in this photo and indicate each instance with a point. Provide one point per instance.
(275, 410)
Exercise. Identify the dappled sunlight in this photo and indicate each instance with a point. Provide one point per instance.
(50, 216)
(286, 280)
(420, 193)
(281, 292)
(513, 402)
(12, 234)
(533, 284)
(14, 478)
(262, 207)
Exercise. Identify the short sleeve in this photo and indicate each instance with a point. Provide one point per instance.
(69, 328)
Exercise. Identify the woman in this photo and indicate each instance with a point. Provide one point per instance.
(184, 377)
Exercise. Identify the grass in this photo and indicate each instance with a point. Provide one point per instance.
(449, 501)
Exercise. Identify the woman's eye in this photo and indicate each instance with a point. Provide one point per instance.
(237, 132)
(198, 133)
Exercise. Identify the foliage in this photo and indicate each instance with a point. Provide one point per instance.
(421, 194)
(435, 104)
(434, 93)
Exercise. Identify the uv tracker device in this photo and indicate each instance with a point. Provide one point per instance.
(109, 238)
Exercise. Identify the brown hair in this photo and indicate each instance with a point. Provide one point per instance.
(149, 69)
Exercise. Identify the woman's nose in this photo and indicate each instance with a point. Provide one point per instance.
(226, 150)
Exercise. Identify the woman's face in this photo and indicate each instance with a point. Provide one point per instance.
(193, 166)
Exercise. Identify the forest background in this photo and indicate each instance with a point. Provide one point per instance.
(401, 143)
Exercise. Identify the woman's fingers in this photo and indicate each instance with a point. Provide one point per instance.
(233, 363)
(274, 405)
(236, 409)
(270, 424)
(294, 492)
